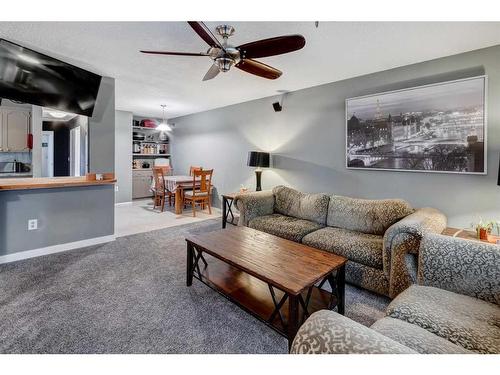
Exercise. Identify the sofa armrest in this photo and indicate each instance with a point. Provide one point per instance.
(326, 332)
(252, 205)
(462, 266)
(401, 243)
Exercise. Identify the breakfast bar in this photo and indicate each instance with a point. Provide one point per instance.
(42, 215)
(56, 182)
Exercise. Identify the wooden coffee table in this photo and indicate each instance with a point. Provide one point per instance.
(276, 280)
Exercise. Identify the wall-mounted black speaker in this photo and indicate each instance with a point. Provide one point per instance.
(277, 107)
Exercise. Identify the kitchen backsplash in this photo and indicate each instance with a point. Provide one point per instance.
(23, 157)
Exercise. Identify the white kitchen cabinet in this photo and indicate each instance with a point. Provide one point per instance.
(141, 183)
(14, 129)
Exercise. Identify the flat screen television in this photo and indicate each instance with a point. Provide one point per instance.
(31, 77)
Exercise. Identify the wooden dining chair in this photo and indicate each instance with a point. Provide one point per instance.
(201, 190)
(159, 187)
(188, 188)
(193, 168)
(167, 170)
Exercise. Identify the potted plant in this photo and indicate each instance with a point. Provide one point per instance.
(484, 229)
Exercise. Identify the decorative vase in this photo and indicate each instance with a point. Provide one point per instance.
(483, 234)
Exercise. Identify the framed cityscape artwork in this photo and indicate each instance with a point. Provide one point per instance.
(433, 128)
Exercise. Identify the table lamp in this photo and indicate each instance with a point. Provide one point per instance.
(259, 160)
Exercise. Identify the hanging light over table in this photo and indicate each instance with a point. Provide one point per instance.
(163, 126)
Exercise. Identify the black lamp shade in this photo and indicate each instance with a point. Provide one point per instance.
(258, 159)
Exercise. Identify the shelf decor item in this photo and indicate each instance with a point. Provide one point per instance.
(259, 160)
(439, 127)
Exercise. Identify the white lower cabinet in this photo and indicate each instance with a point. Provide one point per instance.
(141, 183)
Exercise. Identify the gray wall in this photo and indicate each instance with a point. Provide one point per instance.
(307, 140)
(123, 156)
(64, 215)
(102, 129)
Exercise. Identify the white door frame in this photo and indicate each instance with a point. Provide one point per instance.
(50, 153)
(74, 151)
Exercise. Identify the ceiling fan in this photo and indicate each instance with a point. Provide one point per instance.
(225, 56)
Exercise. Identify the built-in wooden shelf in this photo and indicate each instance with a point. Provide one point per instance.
(155, 142)
(151, 154)
(143, 128)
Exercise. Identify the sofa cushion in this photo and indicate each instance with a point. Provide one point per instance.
(283, 226)
(359, 247)
(416, 337)
(366, 215)
(466, 321)
(290, 202)
(326, 332)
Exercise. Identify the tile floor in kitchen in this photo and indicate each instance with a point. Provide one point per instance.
(139, 216)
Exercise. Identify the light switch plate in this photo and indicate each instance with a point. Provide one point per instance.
(32, 224)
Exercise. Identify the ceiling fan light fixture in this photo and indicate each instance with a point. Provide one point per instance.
(224, 63)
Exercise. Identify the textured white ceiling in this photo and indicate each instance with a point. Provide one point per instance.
(334, 51)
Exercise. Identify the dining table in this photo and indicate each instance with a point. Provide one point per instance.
(176, 185)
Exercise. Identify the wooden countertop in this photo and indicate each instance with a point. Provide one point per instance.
(55, 182)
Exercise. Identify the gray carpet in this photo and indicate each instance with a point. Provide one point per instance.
(129, 296)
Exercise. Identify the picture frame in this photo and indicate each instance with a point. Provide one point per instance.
(435, 128)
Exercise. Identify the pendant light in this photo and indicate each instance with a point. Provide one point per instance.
(163, 127)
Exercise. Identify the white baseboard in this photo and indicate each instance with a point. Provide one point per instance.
(55, 249)
(123, 203)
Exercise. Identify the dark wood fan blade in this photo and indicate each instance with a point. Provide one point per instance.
(259, 69)
(212, 72)
(201, 30)
(272, 46)
(176, 53)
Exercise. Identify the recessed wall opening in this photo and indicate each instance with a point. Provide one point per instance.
(64, 146)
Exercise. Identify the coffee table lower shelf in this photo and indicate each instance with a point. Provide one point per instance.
(269, 305)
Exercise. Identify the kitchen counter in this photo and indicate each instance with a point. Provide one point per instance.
(54, 182)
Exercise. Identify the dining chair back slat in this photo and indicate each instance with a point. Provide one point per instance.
(193, 168)
(158, 174)
(201, 190)
(202, 181)
(160, 190)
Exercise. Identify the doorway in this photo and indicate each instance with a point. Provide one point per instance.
(69, 146)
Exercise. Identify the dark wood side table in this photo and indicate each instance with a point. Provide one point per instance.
(463, 233)
(227, 205)
(227, 208)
